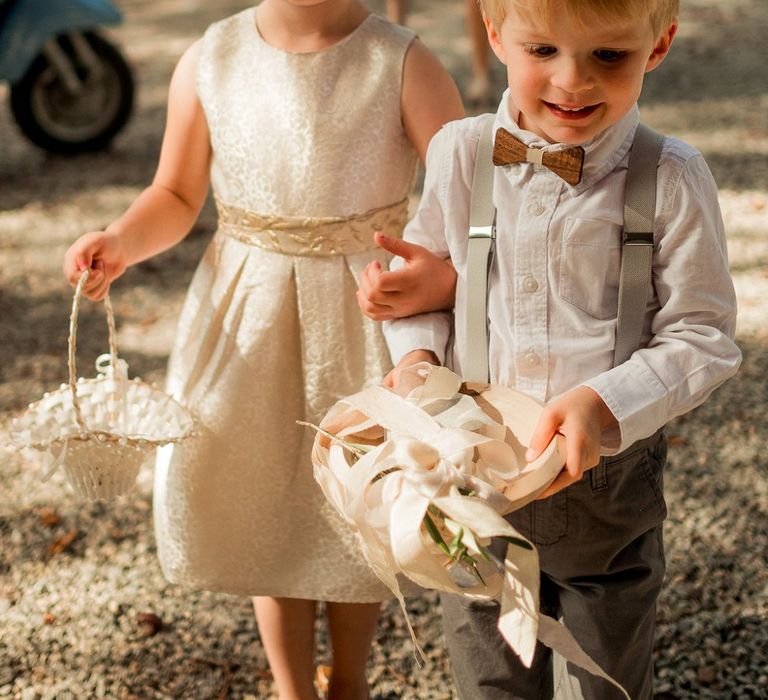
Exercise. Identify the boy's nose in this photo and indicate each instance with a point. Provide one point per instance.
(572, 76)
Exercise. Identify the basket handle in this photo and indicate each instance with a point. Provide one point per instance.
(71, 361)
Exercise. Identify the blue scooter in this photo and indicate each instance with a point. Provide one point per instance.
(71, 90)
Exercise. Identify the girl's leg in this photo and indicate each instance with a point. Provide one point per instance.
(397, 11)
(479, 87)
(287, 629)
(351, 627)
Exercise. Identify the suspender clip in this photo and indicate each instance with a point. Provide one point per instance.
(482, 231)
(637, 238)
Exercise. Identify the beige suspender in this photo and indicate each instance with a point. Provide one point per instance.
(637, 241)
(482, 231)
(636, 252)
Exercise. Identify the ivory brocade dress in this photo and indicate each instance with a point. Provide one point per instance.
(309, 159)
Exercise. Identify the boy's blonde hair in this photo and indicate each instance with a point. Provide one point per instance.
(661, 13)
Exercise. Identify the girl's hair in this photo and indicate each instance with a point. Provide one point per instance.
(661, 13)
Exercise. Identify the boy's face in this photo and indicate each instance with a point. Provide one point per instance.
(572, 82)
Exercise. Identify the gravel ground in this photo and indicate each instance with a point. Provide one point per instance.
(84, 609)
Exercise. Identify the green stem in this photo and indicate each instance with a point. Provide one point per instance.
(434, 533)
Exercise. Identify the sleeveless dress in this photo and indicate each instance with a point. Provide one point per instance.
(309, 158)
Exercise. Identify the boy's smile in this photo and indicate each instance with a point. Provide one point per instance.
(575, 112)
(573, 79)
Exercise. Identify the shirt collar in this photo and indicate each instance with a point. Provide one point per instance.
(601, 154)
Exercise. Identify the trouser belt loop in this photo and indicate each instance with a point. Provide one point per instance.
(599, 476)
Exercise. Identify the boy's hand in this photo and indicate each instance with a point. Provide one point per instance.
(103, 254)
(580, 416)
(392, 379)
(424, 283)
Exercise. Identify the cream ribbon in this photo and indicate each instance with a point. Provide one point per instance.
(384, 460)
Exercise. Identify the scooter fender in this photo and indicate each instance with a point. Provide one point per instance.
(31, 23)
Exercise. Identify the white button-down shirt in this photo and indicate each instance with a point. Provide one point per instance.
(553, 286)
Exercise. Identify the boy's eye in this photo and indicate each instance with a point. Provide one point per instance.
(609, 55)
(540, 50)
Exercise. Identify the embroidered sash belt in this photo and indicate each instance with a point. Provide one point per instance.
(312, 236)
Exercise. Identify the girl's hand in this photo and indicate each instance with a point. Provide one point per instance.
(101, 252)
(424, 283)
(392, 379)
(580, 416)
(351, 417)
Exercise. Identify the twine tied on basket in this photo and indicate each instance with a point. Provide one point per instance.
(100, 430)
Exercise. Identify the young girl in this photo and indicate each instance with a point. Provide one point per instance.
(307, 116)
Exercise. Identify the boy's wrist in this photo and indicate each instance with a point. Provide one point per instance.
(606, 418)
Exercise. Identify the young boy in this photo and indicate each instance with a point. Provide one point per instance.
(575, 70)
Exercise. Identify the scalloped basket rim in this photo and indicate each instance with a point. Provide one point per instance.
(59, 403)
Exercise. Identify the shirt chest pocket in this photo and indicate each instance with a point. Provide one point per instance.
(590, 262)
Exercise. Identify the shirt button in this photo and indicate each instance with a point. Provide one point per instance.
(532, 359)
(535, 209)
(530, 284)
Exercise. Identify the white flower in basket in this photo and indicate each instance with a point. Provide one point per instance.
(100, 430)
(424, 476)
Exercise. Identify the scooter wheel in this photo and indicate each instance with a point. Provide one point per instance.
(59, 121)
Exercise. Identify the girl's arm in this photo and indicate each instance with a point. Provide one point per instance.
(424, 282)
(430, 98)
(164, 212)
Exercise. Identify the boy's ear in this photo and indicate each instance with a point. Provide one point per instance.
(494, 39)
(661, 48)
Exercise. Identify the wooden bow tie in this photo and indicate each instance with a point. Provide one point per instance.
(567, 163)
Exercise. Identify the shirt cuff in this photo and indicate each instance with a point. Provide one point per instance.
(638, 400)
(422, 332)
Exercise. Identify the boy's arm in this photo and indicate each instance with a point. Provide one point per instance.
(691, 350)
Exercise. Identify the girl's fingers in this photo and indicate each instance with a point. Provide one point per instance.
(370, 280)
(99, 292)
(73, 266)
(394, 281)
(79, 257)
(385, 315)
(371, 272)
(396, 246)
(98, 272)
(370, 283)
(95, 280)
(377, 283)
(98, 283)
(377, 312)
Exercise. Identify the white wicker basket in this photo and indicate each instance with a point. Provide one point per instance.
(100, 430)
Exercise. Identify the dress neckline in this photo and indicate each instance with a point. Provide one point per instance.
(254, 25)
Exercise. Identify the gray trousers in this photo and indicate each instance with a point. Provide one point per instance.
(602, 565)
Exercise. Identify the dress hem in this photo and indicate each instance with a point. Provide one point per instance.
(249, 592)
